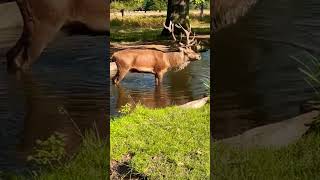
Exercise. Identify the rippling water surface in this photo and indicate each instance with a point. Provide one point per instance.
(256, 81)
(70, 74)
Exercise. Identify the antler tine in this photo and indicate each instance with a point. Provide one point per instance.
(185, 31)
(192, 41)
(188, 32)
(170, 29)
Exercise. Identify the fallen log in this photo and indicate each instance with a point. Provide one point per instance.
(274, 135)
(196, 104)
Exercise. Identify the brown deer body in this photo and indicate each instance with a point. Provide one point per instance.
(42, 19)
(150, 61)
(154, 61)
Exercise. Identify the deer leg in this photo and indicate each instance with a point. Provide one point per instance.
(41, 35)
(115, 78)
(12, 53)
(15, 53)
(156, 78)
(122, 74)
(159, 76)
(160, 79)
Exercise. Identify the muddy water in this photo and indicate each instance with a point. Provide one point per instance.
(71, 74)
(256, 81)
(177, 87)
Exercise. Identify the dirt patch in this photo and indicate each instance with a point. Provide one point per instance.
(122, 170)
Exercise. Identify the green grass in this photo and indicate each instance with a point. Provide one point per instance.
(296, 161)
(137, 34)
(148, 28)
(169, 143)
(90, 163)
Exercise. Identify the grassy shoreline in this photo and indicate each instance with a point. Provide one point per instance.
(300, 160)
(90, 162)
(168, 143)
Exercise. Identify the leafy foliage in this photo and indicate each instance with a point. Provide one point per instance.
(311, 69)
(198, 3)
(126, 109)
(49, 151)
(155, 5)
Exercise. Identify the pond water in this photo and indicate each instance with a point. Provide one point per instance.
(70, 74)
(256, 81)
(177, 87)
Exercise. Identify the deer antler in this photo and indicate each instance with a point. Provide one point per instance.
(170, 29)
(187, 33)
(190, 42)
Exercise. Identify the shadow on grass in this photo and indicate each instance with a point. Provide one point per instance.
(145, 34)
(123, 170)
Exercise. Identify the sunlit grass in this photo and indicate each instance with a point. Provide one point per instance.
(148, 28)
(169, 143)
(297, 161)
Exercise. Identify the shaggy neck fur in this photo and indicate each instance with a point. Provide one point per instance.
(177, 60)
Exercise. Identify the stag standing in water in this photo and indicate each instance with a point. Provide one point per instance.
(155, 61)
(42, 19)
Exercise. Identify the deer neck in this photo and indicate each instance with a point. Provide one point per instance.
(176, 59)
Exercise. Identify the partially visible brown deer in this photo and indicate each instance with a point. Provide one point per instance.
(155, 61)
(42, 19)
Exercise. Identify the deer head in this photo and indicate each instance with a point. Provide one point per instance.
(186, 47)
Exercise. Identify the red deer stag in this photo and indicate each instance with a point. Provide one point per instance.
(155, 61)
(42, 19)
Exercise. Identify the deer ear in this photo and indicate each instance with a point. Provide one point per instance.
(181, 49)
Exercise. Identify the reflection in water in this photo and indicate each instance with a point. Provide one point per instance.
(256, 81)
(71, 74)
(159, 97)
(177, 87)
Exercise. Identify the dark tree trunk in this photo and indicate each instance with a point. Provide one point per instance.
(177, 12)
(201, 10)
(122, 12)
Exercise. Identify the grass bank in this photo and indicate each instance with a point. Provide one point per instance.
(89, 163)
(148, 26)
(300, 160)
(169, 143)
